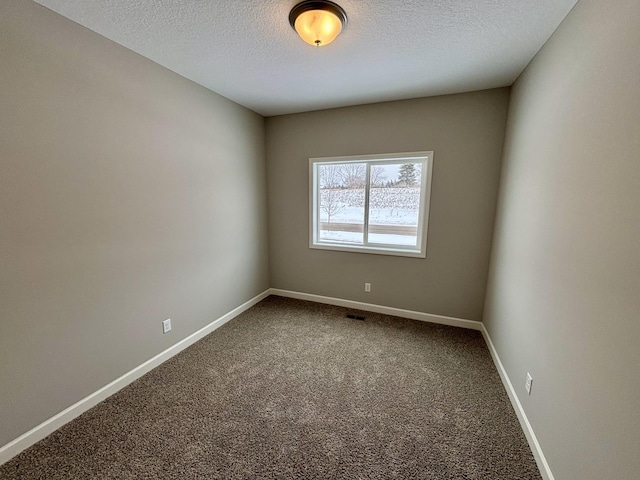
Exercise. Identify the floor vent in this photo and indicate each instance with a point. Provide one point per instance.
(354, 317)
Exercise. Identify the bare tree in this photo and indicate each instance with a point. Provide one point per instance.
(330, 176)
(330, 181)
(329, 203)
(377, 176)
(353, 174)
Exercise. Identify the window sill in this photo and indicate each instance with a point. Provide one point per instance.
(397, 252)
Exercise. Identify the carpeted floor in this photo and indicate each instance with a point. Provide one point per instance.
(294, 390)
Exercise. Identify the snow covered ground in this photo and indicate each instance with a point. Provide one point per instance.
(396, 206)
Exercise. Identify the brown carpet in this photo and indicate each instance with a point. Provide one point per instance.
(294, 390)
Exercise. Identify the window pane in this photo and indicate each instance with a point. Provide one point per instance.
(342, 196)
(394, 204)
(395, 212)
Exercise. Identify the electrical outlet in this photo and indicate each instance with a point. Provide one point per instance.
(528, 382)
(166, 325)
(367, 287)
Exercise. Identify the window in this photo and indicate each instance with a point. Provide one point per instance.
(371, 203)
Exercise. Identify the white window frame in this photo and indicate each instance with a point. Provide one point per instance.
(419, 251)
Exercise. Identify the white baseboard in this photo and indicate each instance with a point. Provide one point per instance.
(541, 460)
(370, 307)
(49, 426)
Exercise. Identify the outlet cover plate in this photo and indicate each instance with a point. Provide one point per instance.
(166, 325)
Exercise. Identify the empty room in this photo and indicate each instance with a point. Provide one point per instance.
(320, 240)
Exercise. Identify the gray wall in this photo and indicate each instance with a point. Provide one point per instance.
(466, 133)
(127, 195)
(564, 292)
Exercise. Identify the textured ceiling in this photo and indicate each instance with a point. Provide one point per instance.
(390, 50)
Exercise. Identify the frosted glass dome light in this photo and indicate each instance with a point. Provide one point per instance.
(317, 22)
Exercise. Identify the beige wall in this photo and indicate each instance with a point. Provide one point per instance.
(127, 195)
(465, 132)
(564, 292)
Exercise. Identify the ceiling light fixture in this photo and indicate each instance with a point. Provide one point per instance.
(318, 22)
